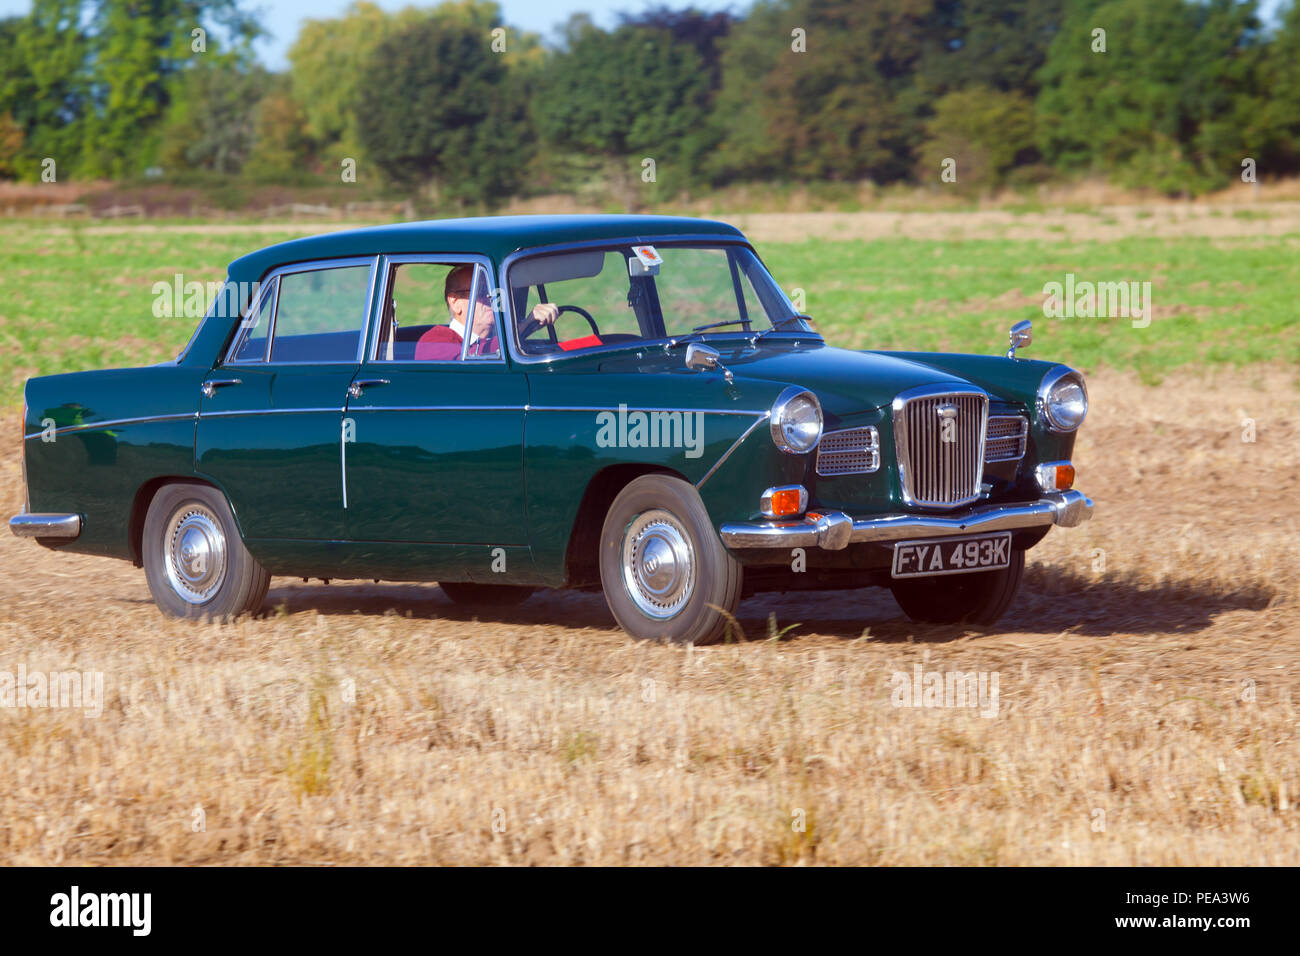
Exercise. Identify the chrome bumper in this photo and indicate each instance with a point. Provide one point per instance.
(45, 526)
(835, 530)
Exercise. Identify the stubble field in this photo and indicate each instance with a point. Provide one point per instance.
(1147, 711)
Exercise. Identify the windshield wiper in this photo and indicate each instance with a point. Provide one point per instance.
(702, 328)
(777, 325)
(718, 325)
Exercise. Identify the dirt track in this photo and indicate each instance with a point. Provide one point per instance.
(1147, 715)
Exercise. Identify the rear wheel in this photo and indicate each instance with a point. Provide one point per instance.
(496, 595)
(665, 573)
(194, 560)
(978, 598)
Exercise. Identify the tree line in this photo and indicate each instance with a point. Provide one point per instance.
(1181, 96)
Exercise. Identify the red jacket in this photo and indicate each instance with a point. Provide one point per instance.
(441, 343)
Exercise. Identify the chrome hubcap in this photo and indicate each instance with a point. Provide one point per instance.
(195, 553)
(658, 564)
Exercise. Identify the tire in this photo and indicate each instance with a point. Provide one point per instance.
(978, 598)
(194, 559)
(479, 595)
(664, 571)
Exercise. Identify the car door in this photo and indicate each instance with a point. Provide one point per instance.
(434, 449)
(270, 424)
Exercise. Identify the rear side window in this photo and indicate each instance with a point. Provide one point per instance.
(319, 315)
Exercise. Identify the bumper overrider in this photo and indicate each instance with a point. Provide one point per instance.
(45, 525)
(834, 530)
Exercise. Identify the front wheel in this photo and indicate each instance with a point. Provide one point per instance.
(977, 598)
(194, 560)
(664, 571)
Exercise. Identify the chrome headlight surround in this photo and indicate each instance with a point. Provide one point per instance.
(1063, 399)
(796, 421)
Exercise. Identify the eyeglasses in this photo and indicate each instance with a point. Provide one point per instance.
(461, 293)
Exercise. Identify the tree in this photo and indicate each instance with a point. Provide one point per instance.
(997, 44)
(819, 87)
(327, 63)
(11, 143)
(436, 105)
(1167, 103)
(281, 146)
(627, 96)
(210, 124)
(986, 131)
(137, 52)
(44, 85)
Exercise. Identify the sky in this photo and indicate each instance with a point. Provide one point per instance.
(280, 19)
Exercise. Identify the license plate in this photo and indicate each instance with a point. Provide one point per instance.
(979, 552)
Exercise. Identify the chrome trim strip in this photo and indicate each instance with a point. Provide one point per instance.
(114, 422)
(703, 238)
(45, 525)
(269, 411)
(390, 408)
(835, 530)
(343, 457)
(764, 416)
(437, 408)
(643, 408)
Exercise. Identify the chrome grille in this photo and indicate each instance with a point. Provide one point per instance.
(850, 451)
(1006, 438)
(940, 465)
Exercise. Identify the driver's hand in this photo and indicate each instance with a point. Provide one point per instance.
(545, 313)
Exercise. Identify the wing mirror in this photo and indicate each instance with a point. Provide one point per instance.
(706, 357)
(1022, 333)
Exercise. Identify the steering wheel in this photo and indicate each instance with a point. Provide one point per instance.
(532, 325)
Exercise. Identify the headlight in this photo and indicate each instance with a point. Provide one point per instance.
(796, 421)
(1063, 399)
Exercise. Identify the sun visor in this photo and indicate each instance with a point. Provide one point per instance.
(558, 268)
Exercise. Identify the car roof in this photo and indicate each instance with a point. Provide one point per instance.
(494, 236)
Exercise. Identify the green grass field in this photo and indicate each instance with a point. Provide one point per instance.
(73, 299)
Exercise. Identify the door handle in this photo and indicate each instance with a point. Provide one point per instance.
(357, 387)
(211, 385)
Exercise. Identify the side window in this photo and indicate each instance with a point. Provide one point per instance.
(319, 315)
(427, 309)
(251, 346)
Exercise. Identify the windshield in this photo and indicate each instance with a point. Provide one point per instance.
(574, 300)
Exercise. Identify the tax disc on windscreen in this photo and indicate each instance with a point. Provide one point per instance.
(648, 256)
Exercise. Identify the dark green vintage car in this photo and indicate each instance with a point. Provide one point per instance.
(502, 404)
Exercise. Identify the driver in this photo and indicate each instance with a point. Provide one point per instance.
(443, 342)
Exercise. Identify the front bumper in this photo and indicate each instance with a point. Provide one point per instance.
(45, 525)
(834, 531)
